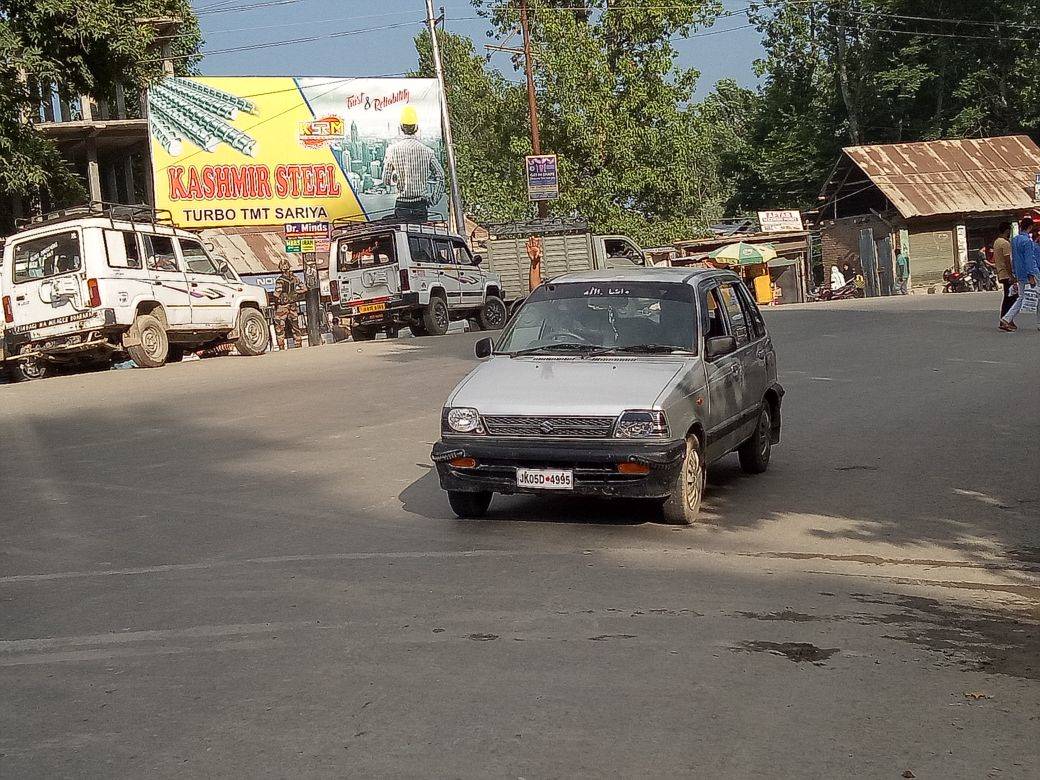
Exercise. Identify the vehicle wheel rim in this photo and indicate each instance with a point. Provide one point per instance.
(253, 333)
(694, 479)
(494, 314)
(764, 424)
(441, 315)
(32, 369)
(151, 342)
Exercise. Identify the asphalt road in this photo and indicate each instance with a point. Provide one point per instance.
(245, 567)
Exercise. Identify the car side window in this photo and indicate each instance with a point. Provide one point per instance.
(756, 324)
(714, 320)
(737, 320)
(462, 254)
(122, 249)
(442, 252)
(421, 249)
(158, 253)
(196, 259)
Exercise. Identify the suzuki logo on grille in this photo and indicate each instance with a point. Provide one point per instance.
(546, 427)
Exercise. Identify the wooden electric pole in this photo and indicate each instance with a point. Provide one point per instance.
(532, 106)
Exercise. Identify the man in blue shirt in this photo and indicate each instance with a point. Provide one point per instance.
(1024, 266)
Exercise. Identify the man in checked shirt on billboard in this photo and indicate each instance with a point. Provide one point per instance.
(414, 168)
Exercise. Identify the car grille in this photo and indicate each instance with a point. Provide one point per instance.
(551, 427)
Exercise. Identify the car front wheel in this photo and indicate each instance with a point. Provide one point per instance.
(469, 505)
(254, 335)
(493, 314)
(683, 506)
(154, 346)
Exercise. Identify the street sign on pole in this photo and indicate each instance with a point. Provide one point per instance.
(543, 179)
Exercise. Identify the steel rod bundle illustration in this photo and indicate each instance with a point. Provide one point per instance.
(182, 109)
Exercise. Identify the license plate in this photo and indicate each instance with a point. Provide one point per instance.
(546, 479)
(369, 308)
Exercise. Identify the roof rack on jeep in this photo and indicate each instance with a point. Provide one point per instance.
(97, 208)
(345, 226)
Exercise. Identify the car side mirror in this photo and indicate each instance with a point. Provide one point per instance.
(719, 346)
(484, 348)
(478, 259)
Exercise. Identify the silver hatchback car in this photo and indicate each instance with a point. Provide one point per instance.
(620, 383)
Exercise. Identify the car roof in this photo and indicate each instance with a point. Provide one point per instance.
(677, 275)
(51, 228)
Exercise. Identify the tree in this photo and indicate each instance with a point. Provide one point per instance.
(849, 72)
(636, 155)
(80, 48)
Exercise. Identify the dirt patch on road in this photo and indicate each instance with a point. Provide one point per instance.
(799, 652)
(979, 640)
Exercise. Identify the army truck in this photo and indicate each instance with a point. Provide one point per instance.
(567, 245)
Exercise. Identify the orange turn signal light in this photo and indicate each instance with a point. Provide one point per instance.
(463, 463)
(633, 468)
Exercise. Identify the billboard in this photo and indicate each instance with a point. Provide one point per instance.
(780, 221)
(543, 179)
(233, 151)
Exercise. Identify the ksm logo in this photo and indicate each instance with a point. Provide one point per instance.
(318, 133)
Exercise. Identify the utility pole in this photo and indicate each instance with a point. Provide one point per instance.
(532, 106)
(456, 195)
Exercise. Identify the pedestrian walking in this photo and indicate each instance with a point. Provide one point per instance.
(903, 271)
(1025, 270)
(287, 291)
(414, 169)
(1002, 263)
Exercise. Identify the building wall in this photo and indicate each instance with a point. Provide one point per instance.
(840, 239)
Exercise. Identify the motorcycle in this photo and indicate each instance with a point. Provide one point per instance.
(981, 274)
(849, 290)
(956, 282)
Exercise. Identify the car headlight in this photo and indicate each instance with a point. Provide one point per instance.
(462, 420)
(641, 425)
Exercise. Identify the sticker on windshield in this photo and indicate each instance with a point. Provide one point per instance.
(607, 291)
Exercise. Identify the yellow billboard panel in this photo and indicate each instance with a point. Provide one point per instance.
(251, 151)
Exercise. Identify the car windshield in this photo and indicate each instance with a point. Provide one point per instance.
(604, 317)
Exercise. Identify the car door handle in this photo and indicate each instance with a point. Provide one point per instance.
(157, 283)
(194, 284)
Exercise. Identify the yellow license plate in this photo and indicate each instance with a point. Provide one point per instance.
(371, 307)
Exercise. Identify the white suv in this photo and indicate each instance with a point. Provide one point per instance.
(84, 285)
(384, 276)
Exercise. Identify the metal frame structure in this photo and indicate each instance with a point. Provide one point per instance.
(96, 208)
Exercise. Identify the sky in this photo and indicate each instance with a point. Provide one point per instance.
(728, 52)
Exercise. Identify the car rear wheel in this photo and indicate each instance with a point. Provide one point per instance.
(469, 505)
(493, 314)
(683, 506)
(754, 453)
(153, 347)
(435, 317)
(27, 370)
(254, 335)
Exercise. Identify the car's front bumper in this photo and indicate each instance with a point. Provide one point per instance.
(594, 464)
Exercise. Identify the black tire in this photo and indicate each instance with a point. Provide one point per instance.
(28, 370)
(492, 314)
(754, 453)
(154, 345)
(683, 506)
(418, 330)
(358, 333)
(254, 334)
(435, 317)
(175, 353)
(469, 505)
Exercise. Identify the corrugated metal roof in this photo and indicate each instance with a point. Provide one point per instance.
(973, 175)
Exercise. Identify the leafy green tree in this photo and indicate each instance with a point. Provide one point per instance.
(81, 48)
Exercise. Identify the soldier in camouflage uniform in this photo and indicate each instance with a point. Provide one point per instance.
(287, 291)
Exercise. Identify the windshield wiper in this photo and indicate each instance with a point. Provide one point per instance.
(553, 347)
(640, 349)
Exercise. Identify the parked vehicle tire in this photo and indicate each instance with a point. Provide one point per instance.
(175, 353)
(359, 333)
(754, 453)
(492, 314)
(154, 345)
(27, 370)
(435, 317)
(469, 505)
(683, 506)
(418, 330)
(254, 335)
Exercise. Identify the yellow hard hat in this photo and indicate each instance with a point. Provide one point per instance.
(408, 116)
